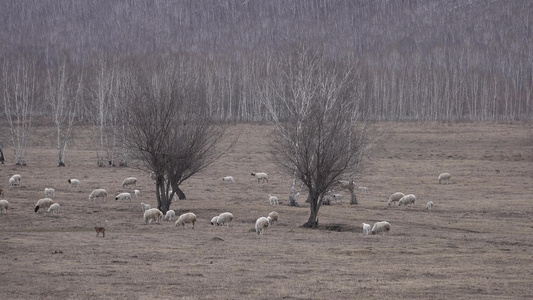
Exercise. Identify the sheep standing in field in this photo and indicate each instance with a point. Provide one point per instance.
(382, 227)
(4, 205)
(54, 208)
(407, 200)
(123, 197)
(153, 214)
(145, 207)
(186, 218)
(170, 215)
(49, 192)
(137, 193)
(273, 217)
(98, 193)
(261, 225)
(395, 197)
(214, 221)
(43, 203)
(363, 189)
(260, 177)
(429, 205)
(74, 182)
(224, 219)
(100, 230)
(444, 178)
(273, 200)
(366, 229)
(13, 182)
(16, 178)
(129, 181)
(228, 179)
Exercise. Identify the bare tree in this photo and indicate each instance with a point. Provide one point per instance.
(319, 137)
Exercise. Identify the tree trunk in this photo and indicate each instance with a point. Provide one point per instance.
(351, 187)
(312, 222)
(180, 194)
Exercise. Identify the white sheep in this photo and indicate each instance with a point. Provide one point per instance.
(382, 227)
(228, 179)
(137, 193)
(273, 217)
(74, 182)
(145, 206)
(98, 193)
(129, 181)
(49, 192)
(407, 200)
(260, 176)
(123, 197)
(214, 221)
(170, 215)
(366, 229)
(429, 205)
(261, 225)
(54, 208)
(13, 182)
(4, 205)
(186, 218)
(444, 178)
(273, 200)
(153, 214)
(395, 197)
(43, 203)
(224, 218)
(364, 189)
(16, 178)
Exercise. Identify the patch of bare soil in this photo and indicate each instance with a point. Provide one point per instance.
(477, 243)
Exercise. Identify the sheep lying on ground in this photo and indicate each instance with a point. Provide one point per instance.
(273, 217)
(74, 182)
(224, 218)
(98, 193)
(363, 189)
(260, 176)
(100, 229)
(429, 205)
(137, 193)
(395, 197)
(4, 205)
(54, 208)
(407, 200)
(444, 178)
(129, 181)
(170, 215)
(145, 206)
(366, 229)
(49, 192)
(186, 218)
(43, 203)
(261, 225)
(382, 227)
(123, 197)
(153, 214)
(228, 179)
(273, 200)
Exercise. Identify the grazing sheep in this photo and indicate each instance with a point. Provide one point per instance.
(429, 205)
(186, 218)
(43, 203)
(74, 182)
(214, 221)
(100, 230)
(145, 206)
(54, 208)
(395, 197)
(273, 216)
(261, 225)
(4, 205)
(382, 227)
(129, 181)
(444, 178)
(366, 229)
(153, 214)
(170, 215)
(364, 189)
(98, 193)
(13, 182)
(123, 197)
(407, 200)
(224, 218)
(137, 193)
(260, 176)
(273, 200)
(228, 179)
(49, 192)
(16, 178)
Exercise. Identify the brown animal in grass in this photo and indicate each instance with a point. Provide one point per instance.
(100, 229)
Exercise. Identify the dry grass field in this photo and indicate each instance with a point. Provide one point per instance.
(477, 243)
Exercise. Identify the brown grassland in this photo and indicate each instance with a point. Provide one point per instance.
(477, 243)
